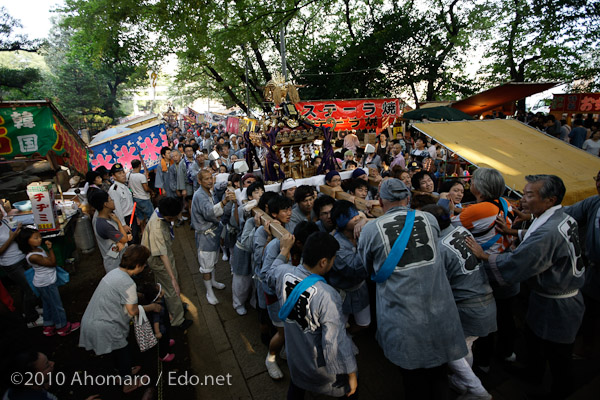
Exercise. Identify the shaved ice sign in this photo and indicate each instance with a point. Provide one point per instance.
(145, 143)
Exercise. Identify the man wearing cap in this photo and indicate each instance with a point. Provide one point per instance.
(333, 179)
(414, 167)
(348, 156)
(397, 154)
(123, 198)
(418, 325)
(360, 173)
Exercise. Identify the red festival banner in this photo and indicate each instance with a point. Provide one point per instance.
(576, 102)
(351, 114)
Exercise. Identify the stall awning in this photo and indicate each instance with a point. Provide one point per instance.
(125, 146)
(516, 150)
(499, 95)
(35, 127)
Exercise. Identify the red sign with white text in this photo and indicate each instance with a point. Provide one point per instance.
(576, 103)
(351, 114)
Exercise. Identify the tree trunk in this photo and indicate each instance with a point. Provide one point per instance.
(227, 89)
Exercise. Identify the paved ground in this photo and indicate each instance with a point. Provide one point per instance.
(221, 342)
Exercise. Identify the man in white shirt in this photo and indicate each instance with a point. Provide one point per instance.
(138, 183)
(123, 198)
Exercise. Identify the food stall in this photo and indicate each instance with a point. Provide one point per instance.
(35, 133)
(517, 150)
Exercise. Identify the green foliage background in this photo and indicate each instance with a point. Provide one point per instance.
(99, 50)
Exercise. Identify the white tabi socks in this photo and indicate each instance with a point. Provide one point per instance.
(210, 295)
(215, 284)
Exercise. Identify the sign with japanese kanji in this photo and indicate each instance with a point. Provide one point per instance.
(576, 103)
(35, 130)
(351, 114)
(127, 148)
(41, 195)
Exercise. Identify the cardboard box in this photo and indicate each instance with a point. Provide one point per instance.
(43, 206)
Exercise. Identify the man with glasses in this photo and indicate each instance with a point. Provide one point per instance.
(322, 208)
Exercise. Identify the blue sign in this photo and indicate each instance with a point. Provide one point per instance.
(146, 142)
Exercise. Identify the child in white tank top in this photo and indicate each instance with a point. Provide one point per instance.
(44, 279)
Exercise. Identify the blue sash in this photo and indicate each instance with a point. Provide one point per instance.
(497, 237)
(300, 288)
(397, 250)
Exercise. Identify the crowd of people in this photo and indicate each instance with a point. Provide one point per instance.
(437, 269)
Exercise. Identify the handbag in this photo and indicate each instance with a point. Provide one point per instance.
(62, 278)
(144, 334)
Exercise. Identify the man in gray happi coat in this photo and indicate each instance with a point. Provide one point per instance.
(473, 297)
(206, 224)
(320, 354)
(418, 326)
(587, 214)
(549, 258)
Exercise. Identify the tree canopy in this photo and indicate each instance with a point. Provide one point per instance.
(420, 50)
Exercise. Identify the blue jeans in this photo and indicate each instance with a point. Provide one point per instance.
(144, 209)
(54, 313)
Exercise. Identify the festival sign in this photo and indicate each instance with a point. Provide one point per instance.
(576, 103)
(127, 146)
(27, 130)
(351, 114)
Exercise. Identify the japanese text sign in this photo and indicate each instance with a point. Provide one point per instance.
(576, 103)
(26, 131)
(351, 114)
(41, 195)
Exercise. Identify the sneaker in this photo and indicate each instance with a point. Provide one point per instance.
(37, 323)
(511, 358)
(273, 369)
(39, 310)
(225, 258)
(184, 218)
(241, 310)
(70, 327)
(185, 324)
(49, 331)
(171, 342)
(168, 358)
